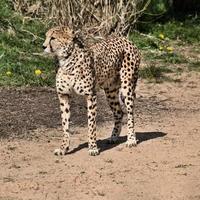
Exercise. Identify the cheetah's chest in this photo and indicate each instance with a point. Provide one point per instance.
(78, 82)
(64, 83)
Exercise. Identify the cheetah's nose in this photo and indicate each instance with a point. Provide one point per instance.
(44, 47)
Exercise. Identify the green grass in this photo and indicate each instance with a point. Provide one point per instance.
(172, 58)
(143, 42)
(155, 73)
(187, 31)
(20, 47)
(155, 49)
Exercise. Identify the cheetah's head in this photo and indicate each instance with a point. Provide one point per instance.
(60, 41)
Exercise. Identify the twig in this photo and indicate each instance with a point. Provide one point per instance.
(41, 54)
(147, 35)
(35, 36)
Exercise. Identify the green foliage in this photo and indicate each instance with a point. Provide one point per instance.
(21, 39)
(143, 42)
(160, 46)
(20, 47)
(187, 31)
(157, 7)
(172, 58)
(154, 73)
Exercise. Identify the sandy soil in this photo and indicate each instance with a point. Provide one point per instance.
(165, 164)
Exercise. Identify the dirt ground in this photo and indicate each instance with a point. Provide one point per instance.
(165, 164)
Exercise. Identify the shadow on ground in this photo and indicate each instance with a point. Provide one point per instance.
(25, 109)
(104, 145)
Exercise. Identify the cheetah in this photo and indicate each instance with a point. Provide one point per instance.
(111, 64)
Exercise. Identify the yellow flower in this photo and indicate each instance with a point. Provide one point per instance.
(8, 73)
(170, 49)
(38, 72)
(161, 48)
(161, 36)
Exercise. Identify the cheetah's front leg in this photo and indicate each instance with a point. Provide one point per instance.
(65, 115)
(91, 103)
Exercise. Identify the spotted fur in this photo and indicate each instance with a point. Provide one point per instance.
(112, 64)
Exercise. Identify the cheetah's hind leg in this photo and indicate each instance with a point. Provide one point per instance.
(112, 95)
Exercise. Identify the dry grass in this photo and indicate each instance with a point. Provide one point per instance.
(98, 17)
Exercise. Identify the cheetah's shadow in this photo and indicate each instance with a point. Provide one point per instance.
(104, 146)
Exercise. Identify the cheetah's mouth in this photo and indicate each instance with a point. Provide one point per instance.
(48, 48)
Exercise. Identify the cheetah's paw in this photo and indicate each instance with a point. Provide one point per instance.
(93, 152)
(60, 152)
(131, 143)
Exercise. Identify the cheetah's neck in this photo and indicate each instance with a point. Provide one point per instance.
(70, 62)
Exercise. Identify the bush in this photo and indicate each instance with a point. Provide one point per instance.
(96, 17)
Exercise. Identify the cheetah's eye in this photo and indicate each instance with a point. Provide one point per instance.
(53, 38)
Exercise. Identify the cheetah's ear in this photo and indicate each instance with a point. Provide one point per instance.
(78, 39)
(67, 31)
